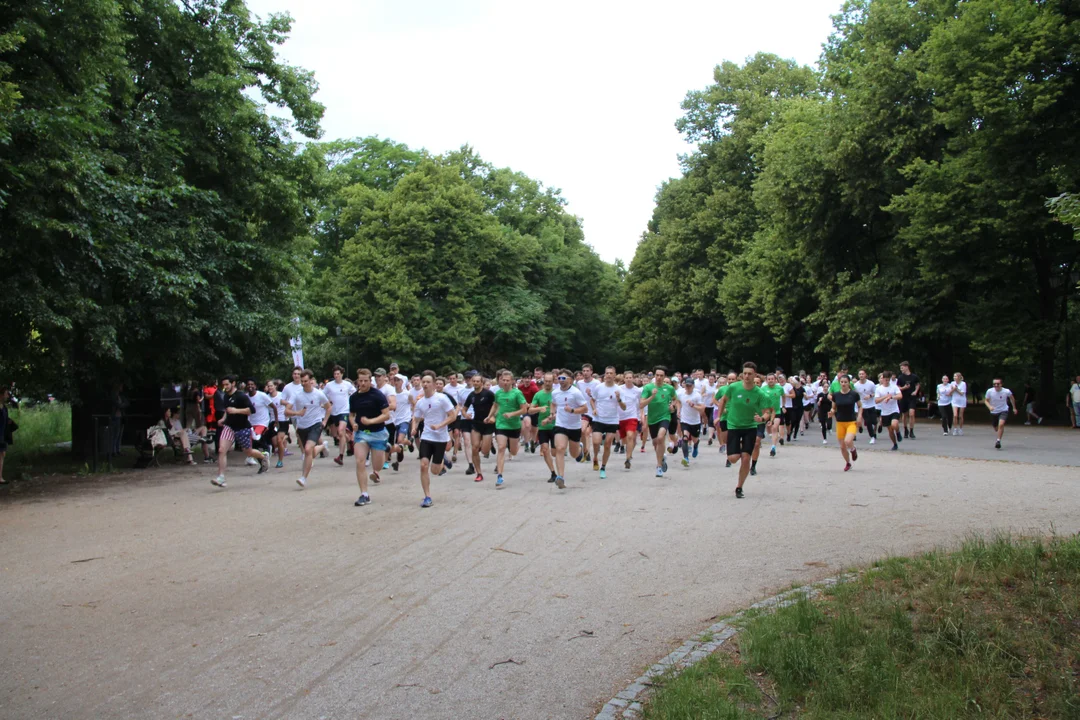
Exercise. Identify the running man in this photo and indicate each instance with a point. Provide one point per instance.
(657, 398)
(510, 405)
(607, 403)
(480, 403)
(279, 425)
(545, 421)
(691, 413)
(369, 410)
(744, 405)
(436, 412)
(260, 418)
(998, 399)
(400, 419)
(887, 397)
(847, 409)
(236, 428)
(568, 404)
(339, 390)
(311, 408)
(909, 395)
(867, 388)
(587, 384)
(528, 387)
(776, 400)
(629, 415)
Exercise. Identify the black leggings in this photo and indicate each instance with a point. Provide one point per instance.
(870, 420)
(794, 421)
(946, 413)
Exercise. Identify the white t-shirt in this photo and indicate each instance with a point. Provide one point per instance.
(587, 389)
(810, 397)
(788, 388)
(404, 411)
(339, 393)
(311, 403)
(959, 394)
(1075, 392)
(709, 394)
(944, 392)
(572, 397)
(433, 410)
(689, 415)
(701, 386)
(260, 401)
(607, 406)
(466, 391)
(631, 397)
(883, 397)
(289, 390)
(276, 408)
(866, 389)
(999, 399)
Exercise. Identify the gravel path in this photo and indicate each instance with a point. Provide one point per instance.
(157, 595)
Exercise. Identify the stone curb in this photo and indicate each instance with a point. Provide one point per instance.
(626, 705)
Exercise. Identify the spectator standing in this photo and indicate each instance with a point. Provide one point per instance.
(1029, 405)
(119, 405)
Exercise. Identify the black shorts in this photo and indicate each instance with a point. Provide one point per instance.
(463, 424)
(599, 427)
(723, 426)
(906, 404)
(335, 419)
(656, 427)
(710, 411)
(741, 442)
(433, 450)
(279, 427)
(782, 416)
(760, 431)
(694, 430)
(887, 419)
(546, 437)
(573, 435)
(998, 418)
(311, 434)
(483, 428)
(512, 433)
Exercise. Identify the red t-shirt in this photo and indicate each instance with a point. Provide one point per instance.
(528, 390)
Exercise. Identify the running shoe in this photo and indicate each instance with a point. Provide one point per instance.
(362, 500)
(453, 458)
(895, 446)
(448, 466)
(899, 439)
(673, 449)
(695, 451)
(945, 432)
(873, 440)
(727, 464)
(603, 473)
(479, 478)
(552, 478)
(753, 470)
(847, 466)
(685, 462)
(395, 465)
(219, 481)
(960, 432)
(301, 481)
(710, 442)
(912, 435)
(280, 464)
(499, 482)
(781, 441)
(854, 454)
(659, 472)
(374, 477)
(251, 461)
(338, 460)
(739, 493)
(1040, 421)
(580, 457)
(772, 451)
(288, 453)
(323, 453)
(427, 503)
(441, 472)
(723, 448)
(386, 466)
(412, 448)
(824, 442)
(626, 464)
(663, 464)
(470, 470)
(1027, 422)
(998, 444)
(264, 466)
(595, 464)
(560, 483)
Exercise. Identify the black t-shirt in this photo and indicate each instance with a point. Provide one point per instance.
(847, 405)
(240, 401)
(911, 379)
(368, 404)
(481, 403)
(800, 393)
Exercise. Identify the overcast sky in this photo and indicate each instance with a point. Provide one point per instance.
(581, 96)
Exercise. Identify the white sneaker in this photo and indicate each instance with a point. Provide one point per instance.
(960, 431)
(218, 481)
(251, 461)
(873, 440)
(1028, 422)
(302, 482)
(824, 442)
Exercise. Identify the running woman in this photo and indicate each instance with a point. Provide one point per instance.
(480, 403)
(867, 388)
(369, 410)
(959, 403)
(691, 413)
(847, 409)
(744, 406)
(998, 399)
(629, 415)
(795, 411)
(909, 395)
(568, 404)
(236, 428)
(510, 405)
(339, 390)
(436, 412)
(944, 404)
(657, 398)
(311, 408)
(710, 405)
(279, 425)
(887, 397)
(545, 421)
(607, 403)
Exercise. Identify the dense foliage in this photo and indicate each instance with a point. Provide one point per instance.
(893, 203)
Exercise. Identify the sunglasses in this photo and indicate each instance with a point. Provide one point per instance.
(562, 377)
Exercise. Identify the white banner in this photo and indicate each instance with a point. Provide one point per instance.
(297, 347)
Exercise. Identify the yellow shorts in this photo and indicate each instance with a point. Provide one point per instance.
(843, 429)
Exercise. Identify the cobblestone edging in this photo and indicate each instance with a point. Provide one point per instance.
(627, 704)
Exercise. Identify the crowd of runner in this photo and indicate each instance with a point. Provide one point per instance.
(568, 416)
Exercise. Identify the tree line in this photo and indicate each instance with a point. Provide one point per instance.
(908, 197)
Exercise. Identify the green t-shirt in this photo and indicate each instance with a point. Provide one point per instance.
(543, 418)
(660, 407)
(719, 394)
(776, 396)
(508, 401)
(743, 404)
(834, 386)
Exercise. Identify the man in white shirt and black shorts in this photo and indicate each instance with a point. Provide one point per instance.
(606, 404)
(338, 391)
(998, 399)
(311, 408)
(437, 413)
(568, 404)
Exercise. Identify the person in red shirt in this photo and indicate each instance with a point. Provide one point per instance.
(528, 388)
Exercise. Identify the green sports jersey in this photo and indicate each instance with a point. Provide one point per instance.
(508, 401)
(743, 404)
(776, 396)
(660, 407)
(544, 420)
(719, 394)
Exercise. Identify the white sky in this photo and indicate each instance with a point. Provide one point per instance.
(581, 96)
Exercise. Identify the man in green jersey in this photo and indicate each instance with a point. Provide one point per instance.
(510, 405)
(658, 396)
(746, 406)
(545, 421)
(776, 401)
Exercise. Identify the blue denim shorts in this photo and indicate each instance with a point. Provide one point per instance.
(377, 440)
(403, 429)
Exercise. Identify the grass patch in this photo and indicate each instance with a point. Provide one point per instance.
(40, 429)
(990, 630)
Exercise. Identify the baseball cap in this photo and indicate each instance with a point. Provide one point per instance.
(380, 371)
